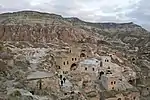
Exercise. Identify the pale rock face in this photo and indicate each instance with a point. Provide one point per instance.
(38, 27)
(43, 34)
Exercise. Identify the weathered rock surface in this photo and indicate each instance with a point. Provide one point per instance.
(27, 35)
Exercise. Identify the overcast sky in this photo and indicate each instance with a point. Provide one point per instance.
(136, 11)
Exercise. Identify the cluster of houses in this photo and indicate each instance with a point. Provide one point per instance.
(80, 69)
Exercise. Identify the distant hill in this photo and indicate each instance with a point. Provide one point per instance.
(36, 26)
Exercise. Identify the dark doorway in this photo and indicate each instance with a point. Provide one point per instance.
(40, 84)
(119, 98)
(73, 66)
(82, 55)
(132, 82)
(32, 92)
(100, 74)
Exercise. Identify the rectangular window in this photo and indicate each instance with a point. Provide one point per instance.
(106, 60)
(85, 68)
(100, 64)
(64, 63)
(111, 83)
(93, 69)
(114, 82)
(72, 59)
(67, 62)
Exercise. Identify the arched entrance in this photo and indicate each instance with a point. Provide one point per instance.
(119, 99)
(101, 73)
(132, 82)
(73, 66)
(82, 55)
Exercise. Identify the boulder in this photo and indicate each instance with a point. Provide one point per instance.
(19, 94)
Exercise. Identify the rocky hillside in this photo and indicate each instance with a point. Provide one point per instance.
(37, 27)
(30, 40)
(43, 27)
(126, 32)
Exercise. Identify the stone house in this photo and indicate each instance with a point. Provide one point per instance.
(105, 61)
(67, 61)
(99, 66)
(90, 66)
(41, 80)
(109, 81)
(113, 81)
(106, 66)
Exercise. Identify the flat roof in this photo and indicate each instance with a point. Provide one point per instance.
(39, 75)
(91, 61)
